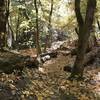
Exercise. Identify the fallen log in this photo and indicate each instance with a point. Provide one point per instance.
(90, 56)
(52, 54)
(64, 53)
(47, 56)
(11, 61)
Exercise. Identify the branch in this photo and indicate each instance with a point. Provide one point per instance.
(77, 31)
(91, 7)
(98, 24)
(50, 14)
(78, 13)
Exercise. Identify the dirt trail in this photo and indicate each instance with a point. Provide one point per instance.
(57, 64)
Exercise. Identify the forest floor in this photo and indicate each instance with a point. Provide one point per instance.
(50, 82)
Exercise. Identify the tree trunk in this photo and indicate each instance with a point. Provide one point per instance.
(17, 28)
(37, 30)
(49, 25)
(2, 23)
(83, 35)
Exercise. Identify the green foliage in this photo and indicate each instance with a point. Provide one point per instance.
(22, 15)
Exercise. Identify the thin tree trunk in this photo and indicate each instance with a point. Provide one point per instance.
(17, 26)
(49, 25)
(37, 30)
(11, 30)
(7, 23)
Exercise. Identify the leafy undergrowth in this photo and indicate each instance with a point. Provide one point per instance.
(51, 83)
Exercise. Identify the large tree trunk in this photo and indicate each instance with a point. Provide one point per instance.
(2, 23)
(83, 35)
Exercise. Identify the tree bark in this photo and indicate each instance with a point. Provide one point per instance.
(90, 56)
(2, 23)
(83, 36)
(37, 30)
(49, 25)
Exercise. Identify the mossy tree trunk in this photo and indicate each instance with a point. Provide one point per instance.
(83, 35)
